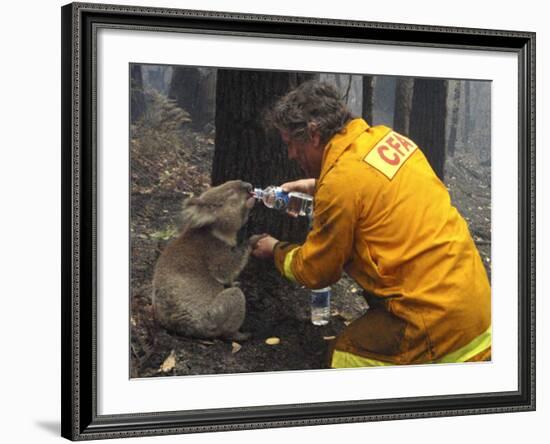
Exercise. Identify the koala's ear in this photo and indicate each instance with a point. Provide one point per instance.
(196, 214)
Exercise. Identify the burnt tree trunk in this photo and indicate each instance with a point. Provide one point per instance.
(245, 150)
(192, 88)
(428, 116)
(403, 104)
(467, 115)
(208, 88)
(368, 98)
(137, 97)
(455, 111)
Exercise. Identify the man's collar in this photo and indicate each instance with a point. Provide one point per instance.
(339, 143)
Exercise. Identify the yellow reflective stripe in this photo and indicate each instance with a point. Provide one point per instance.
(479, 344)
(341, 359)
(287, 270)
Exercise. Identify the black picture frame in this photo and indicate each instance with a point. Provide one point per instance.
(79, 385)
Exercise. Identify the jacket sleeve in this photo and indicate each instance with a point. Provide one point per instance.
(320, 260)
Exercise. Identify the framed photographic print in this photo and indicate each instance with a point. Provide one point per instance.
(191, 282)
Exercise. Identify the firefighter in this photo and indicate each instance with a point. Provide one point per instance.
(381, 215)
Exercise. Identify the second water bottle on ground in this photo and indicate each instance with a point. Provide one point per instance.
(320, 306)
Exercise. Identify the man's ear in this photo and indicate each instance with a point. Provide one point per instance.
(314, 133)
(315, 136)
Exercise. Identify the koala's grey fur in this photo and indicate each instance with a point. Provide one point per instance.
(194, 292)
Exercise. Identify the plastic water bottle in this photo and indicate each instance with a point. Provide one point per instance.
(294, 203)
(320, 306)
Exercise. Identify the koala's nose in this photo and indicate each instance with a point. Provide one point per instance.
(247, 186)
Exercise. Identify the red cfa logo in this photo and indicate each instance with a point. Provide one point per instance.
(390, 153)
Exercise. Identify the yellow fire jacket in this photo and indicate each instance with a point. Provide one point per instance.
(382, 215)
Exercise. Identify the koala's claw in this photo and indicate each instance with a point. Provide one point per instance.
(232, 284)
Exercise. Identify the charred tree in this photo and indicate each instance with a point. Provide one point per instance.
(368, 98)
(192, 89)
(208, 89)
(137, 96)
(455, 112)
(482, 121)
(155, 76)
(467, 114)
(403, 104)
(350, 87)
(245, 150)
(427, 124)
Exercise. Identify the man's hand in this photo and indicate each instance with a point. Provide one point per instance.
(263, 247)
(306, 186)
(253, 240)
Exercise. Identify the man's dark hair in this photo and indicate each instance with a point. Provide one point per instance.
(312, 105)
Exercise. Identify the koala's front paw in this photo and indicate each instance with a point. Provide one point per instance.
(233, 284)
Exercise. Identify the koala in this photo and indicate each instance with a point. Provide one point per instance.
(195, 291)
